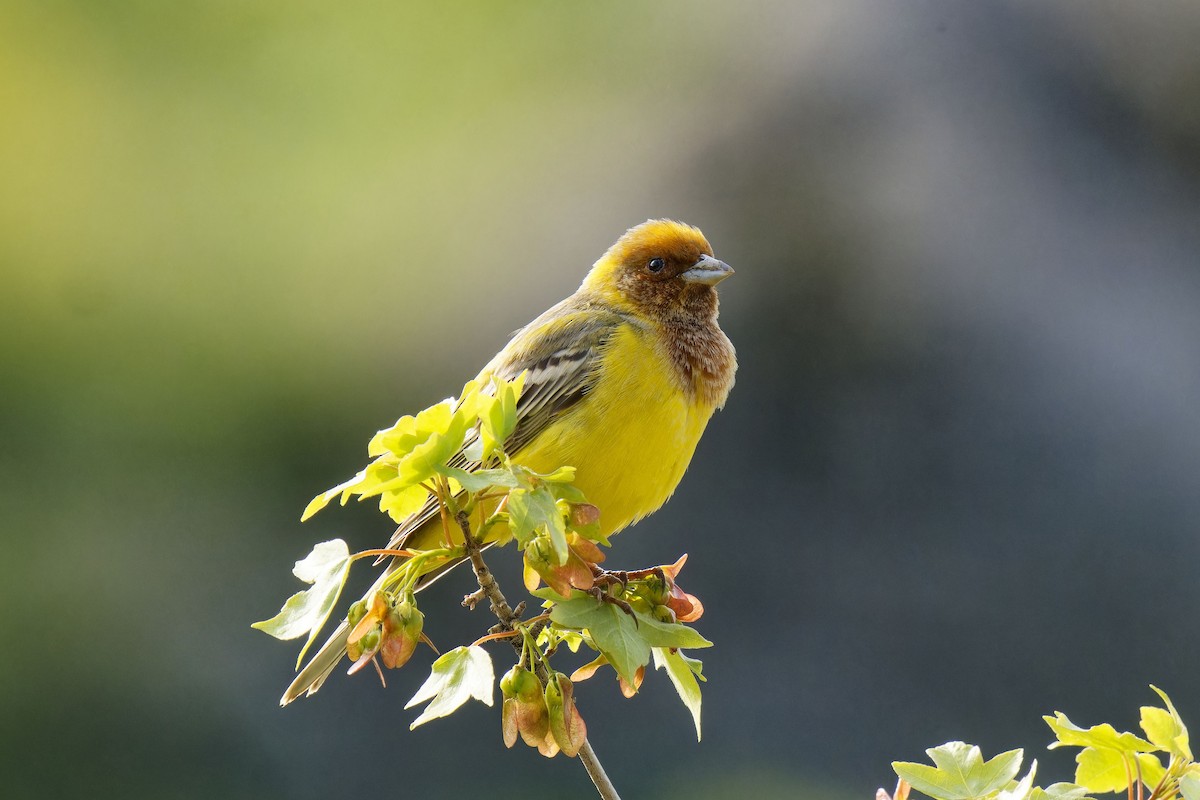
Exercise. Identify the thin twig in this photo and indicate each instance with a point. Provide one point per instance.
(491, 637)
(487, 583)
(595, 771)
(383, 552)
(508, 620)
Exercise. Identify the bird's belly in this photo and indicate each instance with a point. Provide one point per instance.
(630, 439)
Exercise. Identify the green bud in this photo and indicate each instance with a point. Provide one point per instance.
(654, 589)
(508, 682)
(664, 614)
(543, 551)
(527, 684)
(554, 699)
(566, 726)
(357, 611)
(369, 641)
(524, 709)
(401, 632)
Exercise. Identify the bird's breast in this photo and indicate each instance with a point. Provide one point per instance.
(633, 435)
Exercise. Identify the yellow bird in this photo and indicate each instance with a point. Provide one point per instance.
(623, 377)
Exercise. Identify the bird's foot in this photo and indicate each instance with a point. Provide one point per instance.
(609, 578)
(604, 597)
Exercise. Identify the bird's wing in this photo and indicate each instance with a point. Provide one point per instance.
(561, 352)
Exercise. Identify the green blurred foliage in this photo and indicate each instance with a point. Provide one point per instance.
(232, 236)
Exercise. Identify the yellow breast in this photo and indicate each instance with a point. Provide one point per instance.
(631, 438)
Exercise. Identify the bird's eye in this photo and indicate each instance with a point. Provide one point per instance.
(656, 265)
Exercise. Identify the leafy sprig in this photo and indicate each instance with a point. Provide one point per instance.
(1158, 766)
(449, 462)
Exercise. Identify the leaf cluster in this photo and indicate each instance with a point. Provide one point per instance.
(1158, 766)
(450, 460)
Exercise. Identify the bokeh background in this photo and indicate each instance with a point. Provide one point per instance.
(955, 488)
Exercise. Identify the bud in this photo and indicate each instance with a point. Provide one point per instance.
(357, 611)
(664, 614)
(369, 642)
(540, 561)
(401, 632)
(687, 607)
(508, 684)
(654, 588)
(363, 640)
(524, 710)
(566, 725)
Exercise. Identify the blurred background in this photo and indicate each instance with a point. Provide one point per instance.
(955, 488)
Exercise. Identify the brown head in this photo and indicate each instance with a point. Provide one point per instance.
(661, 267)
(664, 271)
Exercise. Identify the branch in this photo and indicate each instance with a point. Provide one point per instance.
(595, 771)
(508, 620)
(487, 583)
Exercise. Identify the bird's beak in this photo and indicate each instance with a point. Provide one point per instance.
(708, 271)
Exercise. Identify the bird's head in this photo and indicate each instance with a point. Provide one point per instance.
(660, 265)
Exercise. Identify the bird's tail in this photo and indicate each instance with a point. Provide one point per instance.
(321, 665)
(318, 668)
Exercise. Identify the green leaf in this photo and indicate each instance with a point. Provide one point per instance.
(322, 500)
(696, 666)
(624, 640)
(498, 414)
(378, 477)
(1165, 728)
(1071, 735)
(1189, 786)
(1024, 787)
(1060, 791)
(570, 493)
(683, 676)
(326, 568)
(456, 677)
(560, 484)
(1152, 769)
(578, 611)
(668, 634)
(533, 510)
(403, 503)
(409, 431)
(480, 479)
(616, 636)
(1161, 729)
(407, 454)
(421, 463)
(560, 475)
(1102, 769)
(613, 632)
(960, 772)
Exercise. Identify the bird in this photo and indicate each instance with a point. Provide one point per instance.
(621, 379)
